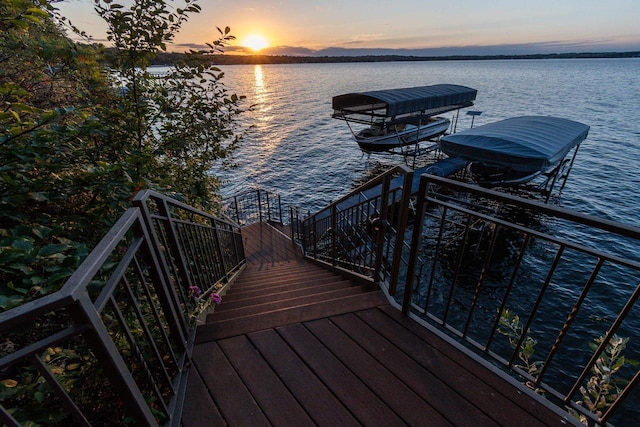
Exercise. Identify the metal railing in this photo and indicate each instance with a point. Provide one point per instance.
(254, 206)
(548, 294)
(491, 270)
(113, 345)
(495, 272)
(362, 232)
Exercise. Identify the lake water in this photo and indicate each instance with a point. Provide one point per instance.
(298, 151)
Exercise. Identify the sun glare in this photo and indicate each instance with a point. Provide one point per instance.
(255, 42)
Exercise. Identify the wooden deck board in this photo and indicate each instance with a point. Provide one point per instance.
(193, 415)
(398, 396)
(444, 398)
(515, 398)
(321, 404)
(470, 388)
(232, 398)
(355, 395)
(278, 404)
(353, 360)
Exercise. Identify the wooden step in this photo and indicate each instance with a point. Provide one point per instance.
(280, 270)
(298, 282)
(230, 302)
(282, 303)
(242, 282)
(301, 313)
(293, 277)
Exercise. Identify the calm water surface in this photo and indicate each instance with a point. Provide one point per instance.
(297, 150)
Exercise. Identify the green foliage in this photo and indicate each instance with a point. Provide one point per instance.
(601, 389)
(35, 262)
(51, 174)
(605, 384)
(177, 125)
(34, 402)
(509, 326)
(196, 129)
(79, 136)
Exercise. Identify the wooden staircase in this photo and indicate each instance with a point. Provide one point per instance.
(281, 289)
(295, 344)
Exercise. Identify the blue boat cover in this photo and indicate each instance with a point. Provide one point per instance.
(526, 144)
(433, 99)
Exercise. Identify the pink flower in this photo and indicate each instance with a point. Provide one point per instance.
(216, 298)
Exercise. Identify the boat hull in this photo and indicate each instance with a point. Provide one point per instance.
(492, 176)
(369, 141)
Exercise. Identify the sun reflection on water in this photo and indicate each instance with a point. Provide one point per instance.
(263, 113)
(261, 90)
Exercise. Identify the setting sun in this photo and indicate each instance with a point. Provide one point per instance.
(255, 42)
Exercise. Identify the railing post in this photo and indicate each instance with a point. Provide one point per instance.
(235, 200)
(414, 249)
(259, 206)
(401, 228)
(268, 208)
(334, 233)
(293, 222)
(315, 238)
(218, 246)
(280, 208)
(380, 235)
(302, 235)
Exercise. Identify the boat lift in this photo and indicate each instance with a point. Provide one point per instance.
(401, 117)
(516, 151)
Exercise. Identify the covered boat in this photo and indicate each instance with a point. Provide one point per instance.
(399, 117)
(516, 150)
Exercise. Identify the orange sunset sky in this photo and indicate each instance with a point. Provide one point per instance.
(403, 26)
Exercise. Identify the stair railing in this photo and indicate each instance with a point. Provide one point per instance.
(255, 206)
(566, 327)
(114, 343)
(360, 232)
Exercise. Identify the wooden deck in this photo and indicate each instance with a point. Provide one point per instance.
(295, 344)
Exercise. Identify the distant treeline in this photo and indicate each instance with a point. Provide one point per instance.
(167, 58)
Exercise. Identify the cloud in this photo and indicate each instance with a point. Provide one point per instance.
(290, 50)
(551, 47)
(352, 49)
(180, 47)
(364, 38)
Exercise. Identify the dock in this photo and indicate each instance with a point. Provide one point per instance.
(293, 343)
(444, 168)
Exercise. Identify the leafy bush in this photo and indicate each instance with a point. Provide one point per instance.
(80, 134)
(601, 389)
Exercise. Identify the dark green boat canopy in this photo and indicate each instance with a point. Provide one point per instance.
(423, 100)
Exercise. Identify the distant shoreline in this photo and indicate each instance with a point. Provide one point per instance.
(166, 58)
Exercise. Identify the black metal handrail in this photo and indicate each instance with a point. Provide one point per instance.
(360, 232)
(495, 270)
(254, 206)
(113, 345)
